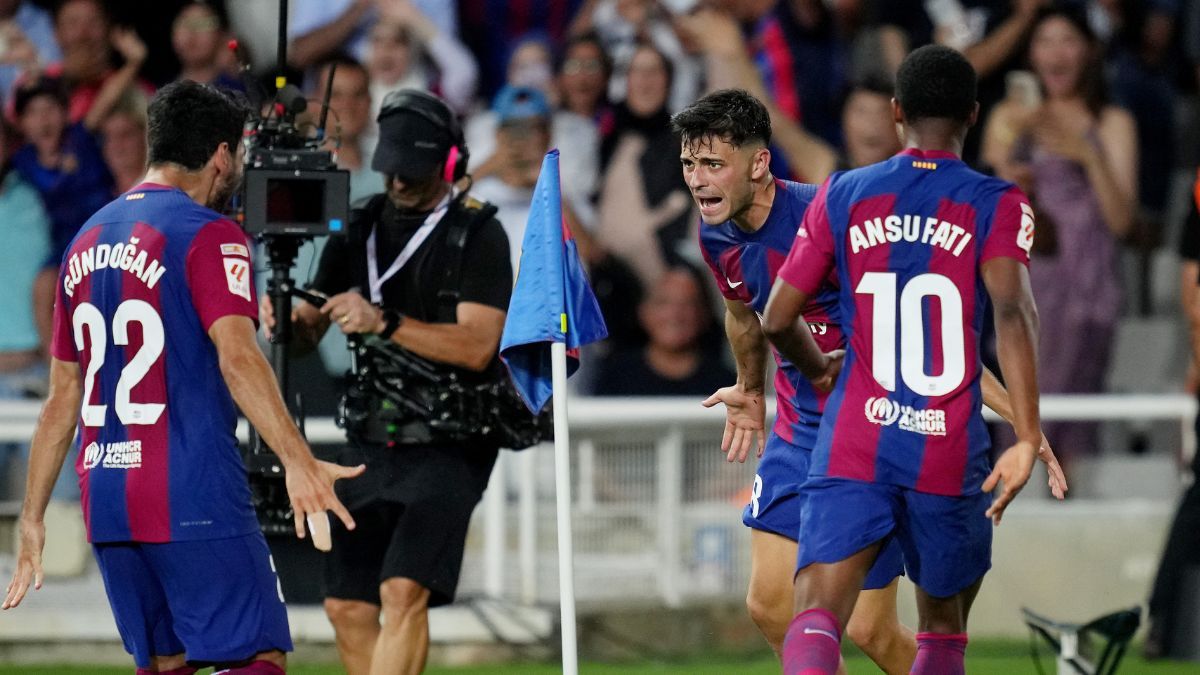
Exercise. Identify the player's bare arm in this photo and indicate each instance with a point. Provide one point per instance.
(469, 343)
(1016, 320)
(248, 375)
(995, 397)
(51, 440)
(786, 328)
(745, 401)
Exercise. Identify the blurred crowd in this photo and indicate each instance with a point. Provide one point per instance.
(1089, 105)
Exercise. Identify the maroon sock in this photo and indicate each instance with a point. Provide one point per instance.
(940, 654)
(812, 644)
(253, 668)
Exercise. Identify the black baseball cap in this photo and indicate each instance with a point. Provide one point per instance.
(411, 145)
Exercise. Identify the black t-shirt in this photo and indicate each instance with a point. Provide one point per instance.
(626, 373)
(487, 276)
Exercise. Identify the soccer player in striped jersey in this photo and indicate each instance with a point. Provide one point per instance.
(749, 224)
(154, 343)
(917, 245)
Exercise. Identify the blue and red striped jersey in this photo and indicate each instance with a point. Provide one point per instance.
(139, 287)
(907, 238)
(744, 265)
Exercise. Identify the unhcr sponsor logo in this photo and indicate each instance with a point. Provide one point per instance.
(885, 412)
(122, 455)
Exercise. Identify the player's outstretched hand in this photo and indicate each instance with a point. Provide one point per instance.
(310, 488)
(1058, 479)
(745, 412)
(29, 563)
(833, 368)
(1011, 473)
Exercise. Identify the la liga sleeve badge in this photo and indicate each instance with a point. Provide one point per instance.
(237, 275)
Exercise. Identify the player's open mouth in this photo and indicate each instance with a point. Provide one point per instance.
(709, 204)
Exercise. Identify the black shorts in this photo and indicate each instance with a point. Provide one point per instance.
(411, 510)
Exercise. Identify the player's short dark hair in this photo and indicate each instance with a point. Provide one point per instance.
(732, 115)
(188, 121)
(936, 82)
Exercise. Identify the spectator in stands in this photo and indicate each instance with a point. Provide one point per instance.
(63, 162)
(348, 124)
(622, 25)
(990, 33)
(1142, 64)
(493, 28)
(409, 50)
(868, 128)
(682, 354)
(1076, 157)
(88, 40)
(583, 74)
(27, 32)
(804, 62)
(123, 140)
(320, 29)
(522, 139)
(644, 207)
(574, 135)
(25, 231)
(1168, 610)
(199, 36)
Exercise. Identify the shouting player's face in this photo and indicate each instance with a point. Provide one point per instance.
(720, 177)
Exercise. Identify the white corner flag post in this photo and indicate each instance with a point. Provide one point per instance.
(562, 492)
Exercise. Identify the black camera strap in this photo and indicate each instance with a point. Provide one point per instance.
(470, 214)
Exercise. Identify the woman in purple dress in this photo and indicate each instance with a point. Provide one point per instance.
(1076, 156)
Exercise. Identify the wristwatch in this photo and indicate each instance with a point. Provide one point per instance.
(391, 321)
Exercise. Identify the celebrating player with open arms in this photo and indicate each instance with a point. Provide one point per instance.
(154, 342)
(750, 221)
(902, 451)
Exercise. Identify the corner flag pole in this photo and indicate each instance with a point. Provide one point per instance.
(562, 492)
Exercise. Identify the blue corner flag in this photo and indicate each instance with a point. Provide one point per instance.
(552, 301)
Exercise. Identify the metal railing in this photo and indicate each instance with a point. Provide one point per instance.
(655, 504)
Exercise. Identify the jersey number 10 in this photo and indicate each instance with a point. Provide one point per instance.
(86, 314)
(882, 286)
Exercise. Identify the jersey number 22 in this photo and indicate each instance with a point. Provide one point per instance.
(87, 315)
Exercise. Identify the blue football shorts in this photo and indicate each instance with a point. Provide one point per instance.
(946, 541)
(776, 502)
(217, 601)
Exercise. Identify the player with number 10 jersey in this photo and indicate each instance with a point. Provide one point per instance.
(906, 237)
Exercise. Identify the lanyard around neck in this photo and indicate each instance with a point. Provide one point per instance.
(406, 253)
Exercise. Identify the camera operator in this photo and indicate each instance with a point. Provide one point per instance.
(389, 278)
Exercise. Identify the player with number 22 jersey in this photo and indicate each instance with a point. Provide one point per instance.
(140, 286)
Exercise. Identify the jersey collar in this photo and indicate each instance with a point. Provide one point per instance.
(928, 154)
(142, 187)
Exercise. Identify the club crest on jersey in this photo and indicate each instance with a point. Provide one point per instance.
(122, 455)
(237, 275)
(885, 413)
